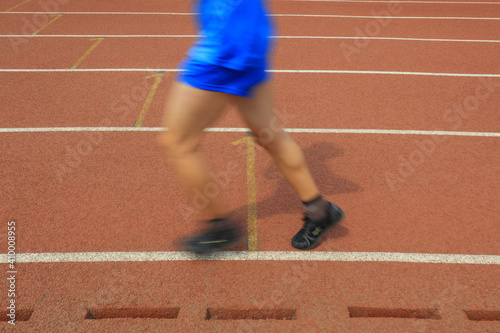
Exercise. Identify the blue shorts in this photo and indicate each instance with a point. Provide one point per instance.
(216, 78)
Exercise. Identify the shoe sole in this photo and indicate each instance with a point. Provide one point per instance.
(208, 252)
(185, 245)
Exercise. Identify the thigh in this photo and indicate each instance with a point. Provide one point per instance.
(190, 110)
(258, 112)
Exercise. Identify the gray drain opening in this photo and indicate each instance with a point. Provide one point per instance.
(369, 312)
(250, 314)
(110, 313)
(20, 315)
(480, 315)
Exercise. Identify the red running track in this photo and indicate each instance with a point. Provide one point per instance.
(403, 193)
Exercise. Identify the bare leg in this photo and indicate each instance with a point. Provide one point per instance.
(321, 214)
(189, 110)
(259, 116)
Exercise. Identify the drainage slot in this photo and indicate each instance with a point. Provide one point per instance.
(367, 312)
(250, 314)
(479, 315)
(110, 313)
(20, 315)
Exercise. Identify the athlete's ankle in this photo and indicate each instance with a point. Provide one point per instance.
(316, 208)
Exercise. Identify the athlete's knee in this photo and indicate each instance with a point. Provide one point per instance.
(165, 141)
(271, 139)
(176, 145)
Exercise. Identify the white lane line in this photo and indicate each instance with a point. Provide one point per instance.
(244, 130)
(401, 2)
(276, 37)
(382, 73)
(391, 38)
(434, 258)
(275, 15)
(83, 70)
(103, 13)
(392, 17)
(97, 36)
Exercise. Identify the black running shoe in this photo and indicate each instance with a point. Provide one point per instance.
(308, 237)
(220, 234)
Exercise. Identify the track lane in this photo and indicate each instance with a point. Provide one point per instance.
(385, 9)
(298, 26)
(88, 99)
(301, 26)
(29, 53)
(392, 192)
(99, 24)
(141, 201)
(107, 180)
(302, 7)
(10, 5)
(333, 101)
(121, 6)
(290, 54)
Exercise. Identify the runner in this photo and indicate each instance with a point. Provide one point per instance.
(228, 65)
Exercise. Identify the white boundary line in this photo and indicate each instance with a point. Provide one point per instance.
(243, 130)
(389, 38)
(171, 70)
(275, 15)
(107, 36)
(383, 73)
(276, 37)
(385, 17)
(401, 2)
(426, 258)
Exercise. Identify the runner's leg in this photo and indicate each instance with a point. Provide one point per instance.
(188, 111)
(259, 115)
(320, 214)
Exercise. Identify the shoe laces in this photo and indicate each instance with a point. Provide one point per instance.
(309, 225)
